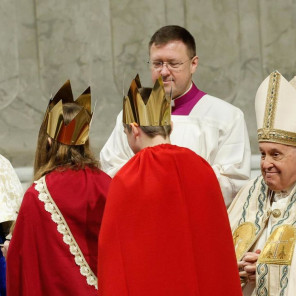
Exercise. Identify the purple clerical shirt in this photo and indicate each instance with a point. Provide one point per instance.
(184, 104)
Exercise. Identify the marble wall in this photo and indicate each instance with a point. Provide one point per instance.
(103, 43)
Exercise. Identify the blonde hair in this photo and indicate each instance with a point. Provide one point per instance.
(55, 155)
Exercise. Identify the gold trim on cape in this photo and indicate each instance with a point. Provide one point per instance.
(63, 228)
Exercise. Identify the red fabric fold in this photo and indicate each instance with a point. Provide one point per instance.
(39, 262)
(165, 229)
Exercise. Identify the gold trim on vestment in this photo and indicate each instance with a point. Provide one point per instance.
(243, 238)
(63, 228)
(279, 247)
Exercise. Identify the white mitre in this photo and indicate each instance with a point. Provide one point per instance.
(275, 106)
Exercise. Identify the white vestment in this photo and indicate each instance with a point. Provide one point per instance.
(252, 206)
(214, 129)
(11, 191)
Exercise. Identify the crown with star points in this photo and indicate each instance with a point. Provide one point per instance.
(77, 130)
(147, 106)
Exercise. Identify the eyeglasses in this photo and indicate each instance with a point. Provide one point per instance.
(171, 66)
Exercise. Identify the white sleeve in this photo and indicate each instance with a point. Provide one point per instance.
(233, 159)
(116, 152)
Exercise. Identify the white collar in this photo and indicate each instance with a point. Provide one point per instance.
(173, 100)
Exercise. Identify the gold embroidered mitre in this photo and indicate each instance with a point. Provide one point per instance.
(147, 106)
(275, 106)
(77, 130)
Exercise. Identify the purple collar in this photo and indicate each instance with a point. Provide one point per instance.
(185, 103)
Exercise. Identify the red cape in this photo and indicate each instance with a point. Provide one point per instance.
(165, 229)
(39, 262)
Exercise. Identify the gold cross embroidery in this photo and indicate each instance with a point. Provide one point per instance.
(279, 246)
(275, 245)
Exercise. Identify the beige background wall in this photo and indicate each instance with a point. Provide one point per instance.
(104, 43)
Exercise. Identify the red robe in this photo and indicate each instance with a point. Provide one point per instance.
(39, 261)
(165, 229)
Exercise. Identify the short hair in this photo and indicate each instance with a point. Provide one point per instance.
(171, 33)
(153, 131)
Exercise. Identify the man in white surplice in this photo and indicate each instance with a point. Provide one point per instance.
(263, 214)
(212, 128)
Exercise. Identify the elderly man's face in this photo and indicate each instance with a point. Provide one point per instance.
(278, 165)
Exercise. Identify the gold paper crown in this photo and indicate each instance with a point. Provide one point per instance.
(147, 106)
(275, 110)
(77, 130)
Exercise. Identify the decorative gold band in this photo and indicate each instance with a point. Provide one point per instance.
(276, 136)
(271, 100)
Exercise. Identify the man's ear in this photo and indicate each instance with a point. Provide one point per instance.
(194, 64)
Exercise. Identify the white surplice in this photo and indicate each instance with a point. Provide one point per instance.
(214, 129)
